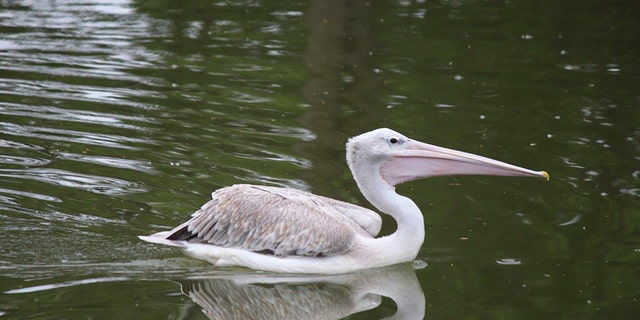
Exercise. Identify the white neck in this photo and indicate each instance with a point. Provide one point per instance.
(403, 245)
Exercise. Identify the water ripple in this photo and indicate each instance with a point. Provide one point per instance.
(32, 195)
(143, 166)
(80, 220)
(75, 68)
(567, 219)
(91, 183)
(22, 161)
(64, 284)
(17, 145)
(51, 90)
(262, 153)
(83, 116)
(90, 138)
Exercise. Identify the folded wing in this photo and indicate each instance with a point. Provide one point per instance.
(278, 221)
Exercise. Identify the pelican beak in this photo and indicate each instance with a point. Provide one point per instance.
(418, 160)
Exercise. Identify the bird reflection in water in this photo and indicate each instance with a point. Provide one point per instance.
(262, 296)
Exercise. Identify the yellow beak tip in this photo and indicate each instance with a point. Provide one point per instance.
(546, 175)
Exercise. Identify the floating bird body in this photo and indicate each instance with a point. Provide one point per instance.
(293, 231)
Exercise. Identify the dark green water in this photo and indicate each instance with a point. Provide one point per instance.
(119, 118)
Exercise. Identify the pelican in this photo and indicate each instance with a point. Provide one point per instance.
(292, 231)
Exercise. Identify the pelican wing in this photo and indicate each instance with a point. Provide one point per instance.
(363, 218)
(276, 220)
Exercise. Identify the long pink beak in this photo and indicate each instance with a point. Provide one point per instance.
(420, 160)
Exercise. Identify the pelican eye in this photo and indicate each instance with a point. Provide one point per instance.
(395, 141)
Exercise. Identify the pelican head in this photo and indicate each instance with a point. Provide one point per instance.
(397, 159)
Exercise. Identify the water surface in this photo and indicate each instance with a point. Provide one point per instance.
(118, 118)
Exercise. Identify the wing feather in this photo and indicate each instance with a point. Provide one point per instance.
(280, 221)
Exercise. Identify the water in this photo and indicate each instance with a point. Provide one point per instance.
(119, 118)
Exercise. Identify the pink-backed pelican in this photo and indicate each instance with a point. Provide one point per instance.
(293, 231)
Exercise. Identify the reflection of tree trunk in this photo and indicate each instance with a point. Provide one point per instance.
(338, 84)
